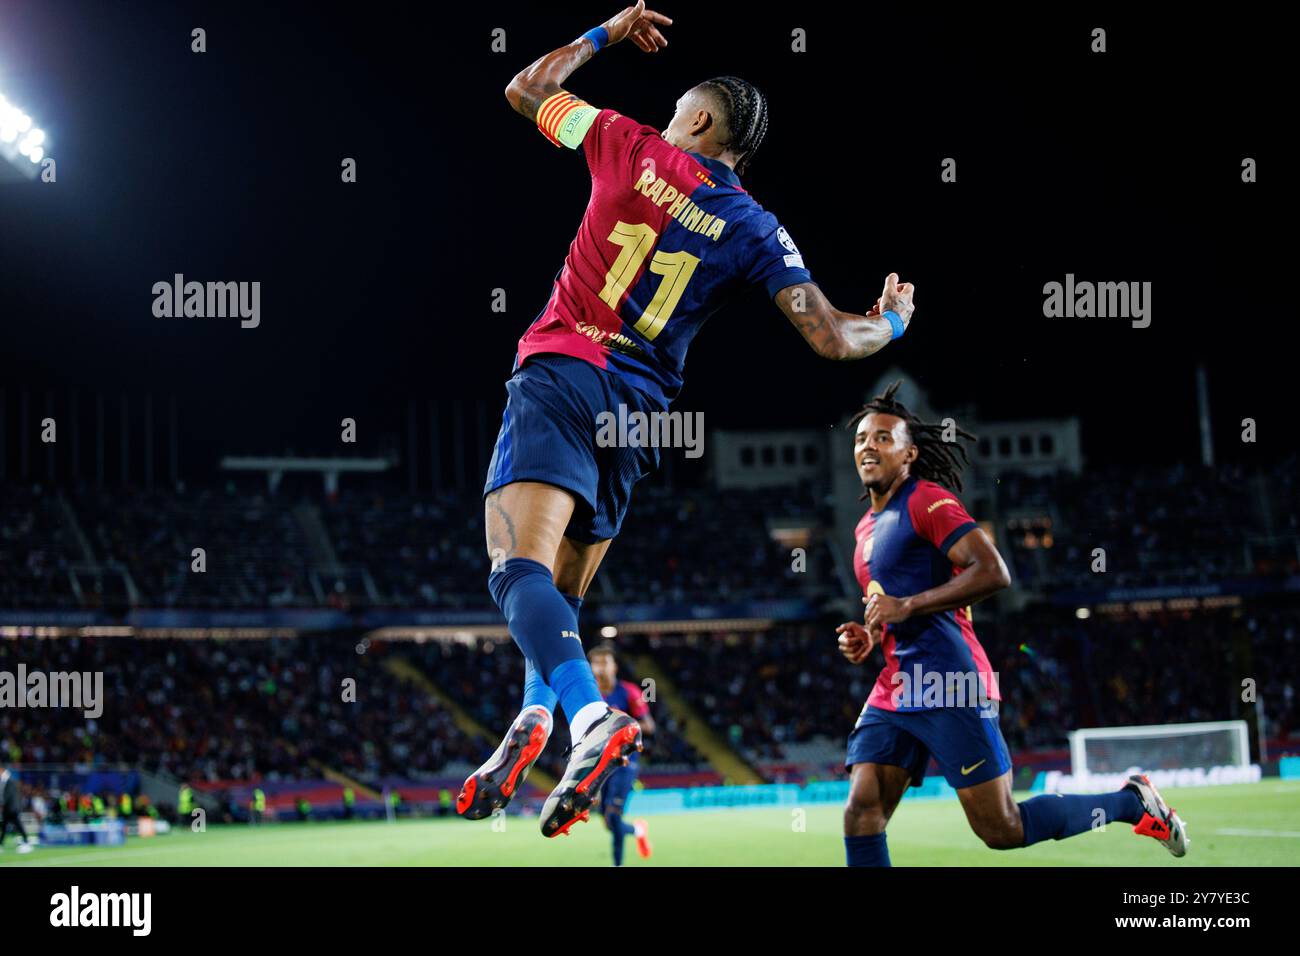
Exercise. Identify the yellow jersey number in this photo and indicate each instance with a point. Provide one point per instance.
(635, 241)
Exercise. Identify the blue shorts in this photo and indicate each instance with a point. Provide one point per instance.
(548, 434)
(618, 790)
(969, 748)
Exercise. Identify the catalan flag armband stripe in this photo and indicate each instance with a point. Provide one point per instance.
(564, 119)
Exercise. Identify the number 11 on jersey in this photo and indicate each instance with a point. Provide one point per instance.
(635, 241)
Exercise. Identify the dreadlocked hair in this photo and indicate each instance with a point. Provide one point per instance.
(936, 460)
(746, 113)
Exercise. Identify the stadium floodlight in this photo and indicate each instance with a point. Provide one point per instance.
(22, 141)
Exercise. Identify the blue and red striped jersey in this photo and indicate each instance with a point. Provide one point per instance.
(667, 238)
(903, 550)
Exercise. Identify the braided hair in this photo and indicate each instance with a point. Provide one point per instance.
(745, 109)
(936, 460)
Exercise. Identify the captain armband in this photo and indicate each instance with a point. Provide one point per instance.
(564, 119)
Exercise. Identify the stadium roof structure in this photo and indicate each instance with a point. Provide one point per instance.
(328, 468)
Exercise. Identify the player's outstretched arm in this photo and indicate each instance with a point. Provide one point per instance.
(544, 77)
(843, 335)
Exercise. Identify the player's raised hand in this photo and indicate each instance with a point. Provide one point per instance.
(855, 641)
(640, 25)
(898, 296)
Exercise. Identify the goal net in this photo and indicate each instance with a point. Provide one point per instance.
(1197, 748)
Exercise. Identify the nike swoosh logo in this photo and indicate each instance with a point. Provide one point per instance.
(966, 770)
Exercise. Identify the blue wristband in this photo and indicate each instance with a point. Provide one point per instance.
(895, 322)
(598, 36)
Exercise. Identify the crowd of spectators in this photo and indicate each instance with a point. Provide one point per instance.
(284, 708)
(254, 551)
(208, 710)
(425, 550)
(1168, 526)
(1183, 525)
(421, 550)
(36, 550)
(704, 547)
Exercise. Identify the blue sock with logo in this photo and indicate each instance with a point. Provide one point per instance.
(541, 621)
(536, 691)
(866, 850)
(1054, 816)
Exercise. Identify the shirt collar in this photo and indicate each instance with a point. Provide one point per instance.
(718, 168)
(896, 496)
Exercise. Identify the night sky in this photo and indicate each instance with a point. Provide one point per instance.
(225, 166)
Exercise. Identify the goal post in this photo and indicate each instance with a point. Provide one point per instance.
(1113, 750)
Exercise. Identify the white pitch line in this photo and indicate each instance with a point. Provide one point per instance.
(103, 853)
(116, 853)
(1290, 834)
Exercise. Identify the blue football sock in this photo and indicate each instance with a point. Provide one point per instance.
(541, 621)
(866, 850)
(1057, 816)
(575, 685)
(536, 691)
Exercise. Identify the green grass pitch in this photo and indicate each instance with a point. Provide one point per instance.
(1249, 825)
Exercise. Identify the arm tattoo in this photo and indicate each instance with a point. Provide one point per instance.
(812, 324)
(807, 308)
(832, 334)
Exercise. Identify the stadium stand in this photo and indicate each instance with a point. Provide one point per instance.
(685, 546)
(228, 715)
